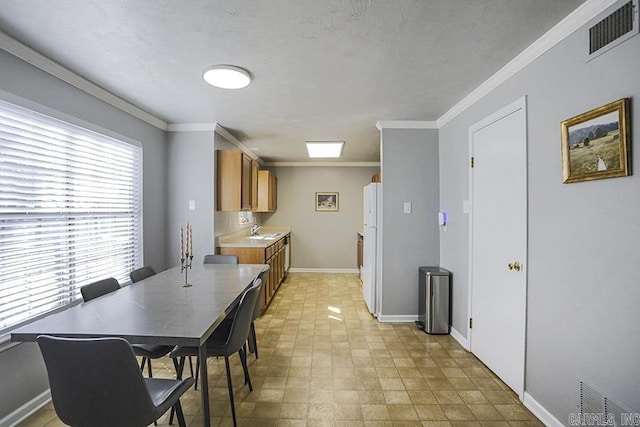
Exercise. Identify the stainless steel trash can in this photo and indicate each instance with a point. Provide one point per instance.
(434, 290)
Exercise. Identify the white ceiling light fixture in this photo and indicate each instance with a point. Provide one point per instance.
(324, 149)
(227, 76)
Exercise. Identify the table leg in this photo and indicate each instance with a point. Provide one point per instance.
(204, 385)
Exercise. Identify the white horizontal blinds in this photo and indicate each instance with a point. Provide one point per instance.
(70, 212)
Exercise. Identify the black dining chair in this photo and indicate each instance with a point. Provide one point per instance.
(253, 339)
(99, 288)
(96, 382)
(220, 259)
(148, 352)
(227, 339)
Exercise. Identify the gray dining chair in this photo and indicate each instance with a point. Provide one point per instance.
(148, 352)
(220, 259)
(141, 273)
(253, 339)
(96, 382)
(227, 339)
(99, 288)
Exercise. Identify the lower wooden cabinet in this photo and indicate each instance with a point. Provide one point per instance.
(273, 255)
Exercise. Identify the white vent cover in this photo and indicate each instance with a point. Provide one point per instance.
(614, 28)
(598, 409)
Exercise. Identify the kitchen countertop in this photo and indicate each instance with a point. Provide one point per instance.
(241, 239)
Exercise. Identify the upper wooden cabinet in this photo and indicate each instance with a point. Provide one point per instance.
(236, 178)
(267, 192)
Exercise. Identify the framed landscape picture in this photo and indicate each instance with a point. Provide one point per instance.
(595, 143)
(326, 202)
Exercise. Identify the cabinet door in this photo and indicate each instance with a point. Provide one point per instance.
(273, 193)
(229, 180)
(266, 188)
(246, 182)
(254, 185)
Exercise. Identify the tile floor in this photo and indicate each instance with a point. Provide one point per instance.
(324, 361)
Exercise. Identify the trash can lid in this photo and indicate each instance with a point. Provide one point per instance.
(434, 271)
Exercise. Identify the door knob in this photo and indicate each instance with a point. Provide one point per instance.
(515, 266)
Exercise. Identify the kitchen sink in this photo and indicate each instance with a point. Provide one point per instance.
(266, 236)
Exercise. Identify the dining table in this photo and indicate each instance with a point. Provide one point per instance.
(157, 310)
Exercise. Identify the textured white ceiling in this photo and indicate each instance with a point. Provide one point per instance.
(324, 69)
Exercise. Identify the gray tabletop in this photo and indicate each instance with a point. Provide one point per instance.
(157, 310)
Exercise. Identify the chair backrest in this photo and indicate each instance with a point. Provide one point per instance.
(263, 278)
(220, 259)
(241, 325)
(141, 273)
(99, 288)
(96, 382)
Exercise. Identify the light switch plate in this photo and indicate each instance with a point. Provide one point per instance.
(407, 207)
(192, 205)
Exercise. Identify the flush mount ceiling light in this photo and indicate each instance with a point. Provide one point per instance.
(324, 149)
(227, 76)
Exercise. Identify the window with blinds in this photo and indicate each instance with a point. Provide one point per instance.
(70, 212)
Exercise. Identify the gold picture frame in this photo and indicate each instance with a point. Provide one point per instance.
(595, 144)
(327, 201)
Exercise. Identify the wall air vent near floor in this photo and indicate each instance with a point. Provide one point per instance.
(598, 409)
(614, 28)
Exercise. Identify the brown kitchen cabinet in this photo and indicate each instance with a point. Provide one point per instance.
(267, 192)
(237, 181)
(275, 255)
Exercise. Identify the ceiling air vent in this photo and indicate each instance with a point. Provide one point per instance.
(613, 29)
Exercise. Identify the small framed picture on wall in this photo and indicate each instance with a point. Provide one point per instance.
(327, 201)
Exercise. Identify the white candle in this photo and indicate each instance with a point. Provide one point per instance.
(181, 242)
(190, 241)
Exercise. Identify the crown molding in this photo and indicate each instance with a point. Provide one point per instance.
(572, 22)
(324, 164)
(220, 130)
(191, 127)
(405, 124)
(38, 60)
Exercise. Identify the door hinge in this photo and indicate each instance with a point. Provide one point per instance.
(470, 323)
(473, 162)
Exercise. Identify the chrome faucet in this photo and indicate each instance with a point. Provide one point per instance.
(254, 230)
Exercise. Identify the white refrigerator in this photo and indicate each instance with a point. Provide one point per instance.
(372, 247)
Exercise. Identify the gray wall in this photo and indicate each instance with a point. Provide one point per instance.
(409, 174)
(190, 171)
(322, 240)
(21, 367)
(583, 293)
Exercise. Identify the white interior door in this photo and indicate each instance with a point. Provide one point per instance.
(499, 242)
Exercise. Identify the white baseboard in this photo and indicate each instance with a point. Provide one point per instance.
(325, 270)
(463, 341)
(397, 318)
(26, 410)
(539, 411)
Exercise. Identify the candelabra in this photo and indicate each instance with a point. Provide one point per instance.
(185, 265)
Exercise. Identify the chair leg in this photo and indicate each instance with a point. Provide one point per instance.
(195, 387)
(191, 366)
(245, 368)
(180, 415)
(253, 340)
(149, 371)
(179, 369)
(230, 385)
(142, 363)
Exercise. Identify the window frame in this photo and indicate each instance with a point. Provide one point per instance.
(34, 110)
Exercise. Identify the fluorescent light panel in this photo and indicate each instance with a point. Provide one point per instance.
(324, 150)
